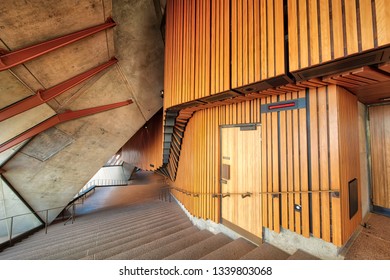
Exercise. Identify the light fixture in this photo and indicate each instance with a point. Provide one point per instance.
(384, 99)
(297, 207)
(162, 93)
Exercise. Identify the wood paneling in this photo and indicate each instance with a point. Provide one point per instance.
(341, 28)
(215, 46)
(145, 148)
(348, 165)
(305, 159)
(380, 154)
(197, 52)
(369, 84)
(257, 41)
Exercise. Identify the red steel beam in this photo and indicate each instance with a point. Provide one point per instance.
(57, 119)
(45, 95)
(17, 57)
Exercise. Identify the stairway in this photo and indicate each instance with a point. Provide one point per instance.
(174, 126)
(147, 231)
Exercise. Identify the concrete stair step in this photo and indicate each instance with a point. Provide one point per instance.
(120, 242)
(147, 238)
(104, 242)
(302, 255)
(231, 251)
(76, 229)
(201, 249)
(53, 245)
(266, 251)
(157, 243)
(175, 246)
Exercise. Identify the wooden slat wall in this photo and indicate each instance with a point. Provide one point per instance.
(197, 50)
(215, 46)
(220, 46)
(145, 147)
(325, 30)
(380, 154)
(349, 164)
(257, 41)
(302, 151)
(199, 160)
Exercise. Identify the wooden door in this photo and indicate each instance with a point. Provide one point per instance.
(380, 155)
(241, 175)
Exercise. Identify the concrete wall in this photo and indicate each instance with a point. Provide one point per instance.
(50, 169)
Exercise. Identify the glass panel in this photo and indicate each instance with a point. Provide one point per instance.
(11, 205)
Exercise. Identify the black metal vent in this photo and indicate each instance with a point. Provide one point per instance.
(343, 64)
(219, 97)
(263, 85)
(353, 197)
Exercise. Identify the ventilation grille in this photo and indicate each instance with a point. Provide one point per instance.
(219, 97)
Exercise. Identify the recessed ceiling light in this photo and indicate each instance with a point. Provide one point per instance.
(384, 99)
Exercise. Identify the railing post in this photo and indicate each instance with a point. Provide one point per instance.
(46, 220)
(10, 231)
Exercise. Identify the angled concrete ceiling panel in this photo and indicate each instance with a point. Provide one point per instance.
(109, 88)
(22, 122)
(66, 62)
(7, 155)
(11, 89)
(140, 50)
(24, 23)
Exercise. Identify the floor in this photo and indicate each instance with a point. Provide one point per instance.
(139, 190)
(373, 241)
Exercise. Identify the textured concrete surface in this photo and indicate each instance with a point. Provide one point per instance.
(135, 41)
(140, 50)
(373, 242)
(290, 242)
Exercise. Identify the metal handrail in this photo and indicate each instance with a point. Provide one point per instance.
(246, 194)
(80, 195)
(46, 211)
(102, 182)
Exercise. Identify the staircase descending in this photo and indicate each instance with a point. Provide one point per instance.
(174, 126)
(150, 230)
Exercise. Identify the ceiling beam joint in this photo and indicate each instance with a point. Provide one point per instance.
(43, 96)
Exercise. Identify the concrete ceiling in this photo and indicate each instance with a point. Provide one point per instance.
(55, 165)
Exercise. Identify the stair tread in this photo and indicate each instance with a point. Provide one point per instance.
(83, 237)
(302, 255)
(201, 249)
(231, 251)
(266, 251)
(139, 241)
(175, 246)
(115, 244)
(157, 243)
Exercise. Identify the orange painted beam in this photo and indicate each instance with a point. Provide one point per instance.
(57, 119)
(45, 95)
(17, 57)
